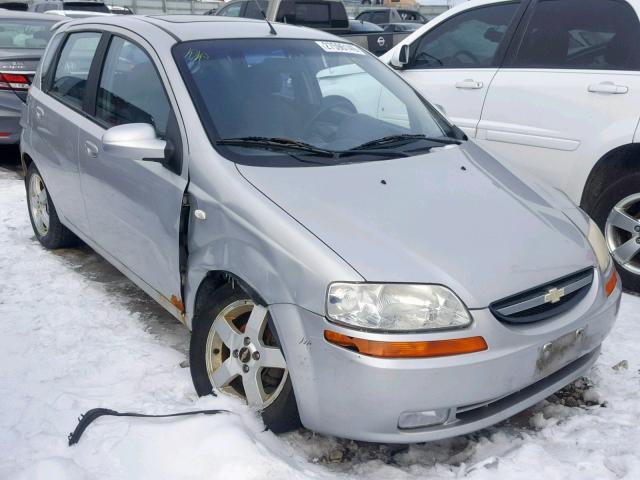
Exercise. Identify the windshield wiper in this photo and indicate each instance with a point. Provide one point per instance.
(404, 139)
(285, 144)
(278, 144)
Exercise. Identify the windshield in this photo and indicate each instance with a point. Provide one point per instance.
(327, 96)
(25, 33)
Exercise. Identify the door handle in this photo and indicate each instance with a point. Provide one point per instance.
(92, 149)
(469, 84)
(39, 113)
(608, 87)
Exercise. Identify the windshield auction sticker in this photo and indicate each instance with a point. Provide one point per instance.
(338, 47)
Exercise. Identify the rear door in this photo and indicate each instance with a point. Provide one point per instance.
(134, 206)
(453, 63)
(569, 90)
(54, 112)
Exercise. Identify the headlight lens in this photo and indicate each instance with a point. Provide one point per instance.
(396, 307)
(599, 245)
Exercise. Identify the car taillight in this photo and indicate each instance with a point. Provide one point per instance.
(13, 81)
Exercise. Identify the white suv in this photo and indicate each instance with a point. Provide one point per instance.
(552, 85)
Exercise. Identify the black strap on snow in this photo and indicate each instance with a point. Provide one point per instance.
(85, 420)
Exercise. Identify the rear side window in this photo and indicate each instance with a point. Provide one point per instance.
(313, 14)
(252, 10)
(379, 17)
(72, 70)
(86, 7)
(130, 89)
(468, 40)
(581, 34)
(232, 10)
(47, 60)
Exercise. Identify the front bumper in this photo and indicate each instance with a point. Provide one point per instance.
(349, 395)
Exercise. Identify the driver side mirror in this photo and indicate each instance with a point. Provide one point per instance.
(136, 141)
(400, 57)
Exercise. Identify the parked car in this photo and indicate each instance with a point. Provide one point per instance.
(327, 15)
(17, 6)
(374, 276)
(400, 27)
(550, 86)
(408, 4)
(360, 26)
(23, 38)
(74, 5)
(391, 15)
(77, 13)
(119, 10)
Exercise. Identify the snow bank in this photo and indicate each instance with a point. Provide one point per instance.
(71, 341)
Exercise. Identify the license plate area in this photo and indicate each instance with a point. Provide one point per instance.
(561, 351)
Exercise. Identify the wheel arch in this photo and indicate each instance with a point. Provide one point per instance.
(26, 161)
(612, 165)
(215, 279)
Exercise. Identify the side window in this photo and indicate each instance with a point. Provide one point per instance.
(47, 60)
(581, 34)
(130, 89)
(379, 17)
(232, 10)
(252, 10)
(467, 40)
(372, 98)
(70, 78)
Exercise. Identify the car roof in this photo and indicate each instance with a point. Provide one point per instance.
(15, 14)
(201, 27)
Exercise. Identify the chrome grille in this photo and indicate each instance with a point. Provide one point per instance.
(544, 301)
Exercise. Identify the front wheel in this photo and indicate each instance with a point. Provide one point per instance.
(617, 213)
(235, 350)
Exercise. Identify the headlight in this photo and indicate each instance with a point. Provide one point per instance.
(599, 245)
(396, 307)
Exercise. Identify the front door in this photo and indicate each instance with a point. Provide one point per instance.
(568, 92)
(452, 64)
(133, 205)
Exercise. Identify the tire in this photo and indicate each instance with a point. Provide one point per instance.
(625, 190)
(209, 353)
(49, 231)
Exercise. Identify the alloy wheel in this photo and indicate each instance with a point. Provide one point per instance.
(242, 354)
(39, 204)
(622, 232)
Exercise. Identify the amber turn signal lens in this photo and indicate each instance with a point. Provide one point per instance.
(435, 348)
(610, 286)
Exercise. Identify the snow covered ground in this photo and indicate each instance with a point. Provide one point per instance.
(74, 335)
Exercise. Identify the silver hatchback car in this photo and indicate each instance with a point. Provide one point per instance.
(344, 256)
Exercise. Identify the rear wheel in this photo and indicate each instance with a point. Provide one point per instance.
(235, 350)
(50, 232)
(617, 213)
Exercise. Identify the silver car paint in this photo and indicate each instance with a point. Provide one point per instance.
(391, 232)
(273, 229)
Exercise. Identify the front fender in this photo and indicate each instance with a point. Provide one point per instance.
(247, 235)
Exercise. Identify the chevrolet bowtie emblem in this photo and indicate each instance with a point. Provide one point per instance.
(554, 295)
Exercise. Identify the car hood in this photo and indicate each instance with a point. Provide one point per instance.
(454, 217)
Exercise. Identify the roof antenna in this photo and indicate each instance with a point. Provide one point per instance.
(264, 15)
